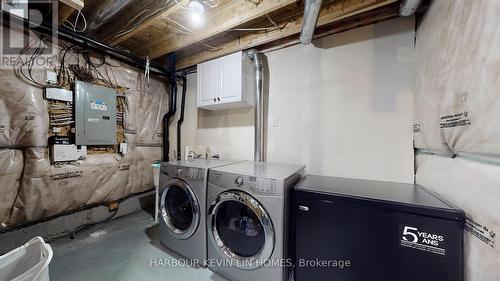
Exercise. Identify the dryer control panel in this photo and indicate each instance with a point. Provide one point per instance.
(189, 173)
(262, 184)
(252, 184)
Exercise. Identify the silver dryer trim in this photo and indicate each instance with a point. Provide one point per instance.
(249, 201)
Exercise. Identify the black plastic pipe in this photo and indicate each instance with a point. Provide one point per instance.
(181, 118)
(80, 39)
(172, 104)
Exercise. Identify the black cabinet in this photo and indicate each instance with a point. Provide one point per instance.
(357, 230)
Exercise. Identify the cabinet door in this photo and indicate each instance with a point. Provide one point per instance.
(208, 84)
(231, 79)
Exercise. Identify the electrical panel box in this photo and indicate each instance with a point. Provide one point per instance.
(95, 114)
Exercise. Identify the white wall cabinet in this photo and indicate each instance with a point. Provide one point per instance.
(226, 82)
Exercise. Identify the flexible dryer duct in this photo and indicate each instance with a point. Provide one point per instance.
(256, 57)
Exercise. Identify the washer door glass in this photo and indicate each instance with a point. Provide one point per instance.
(180, 209)
(241, 228)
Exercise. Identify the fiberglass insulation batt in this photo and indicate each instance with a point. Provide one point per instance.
(144, 110)
(458, 83)
(11, 167)
(24, 118)
(474, 187)
(44, 190)
(48, 190)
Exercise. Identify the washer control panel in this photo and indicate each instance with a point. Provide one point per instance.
(196, 174)
(189, 173)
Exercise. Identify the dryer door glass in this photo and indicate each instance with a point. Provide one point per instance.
(180, 208)
(240, 229)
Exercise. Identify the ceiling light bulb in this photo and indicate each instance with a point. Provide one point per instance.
(196, 7)
(196, 18)
(197, 10)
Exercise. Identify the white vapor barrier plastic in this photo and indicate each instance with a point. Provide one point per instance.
(29, 262)
(474, 187)
(458, 96)
(49, 190)
(24, 119)
(11, 167)
(144, 111)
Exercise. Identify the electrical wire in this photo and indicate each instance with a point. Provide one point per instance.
(212, 5)
(273, 22)
(25, 70)
(60, 114)
(124, 31)
(269, 28)
(178, 30)
(180, 5)
(185, 28)
(212, 48)
(73, 26)
(257, 3)
(127, 29)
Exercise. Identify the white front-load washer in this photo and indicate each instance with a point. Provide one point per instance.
(183, 186)
(247, 220)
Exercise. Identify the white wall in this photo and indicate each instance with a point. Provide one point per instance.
(343, 105)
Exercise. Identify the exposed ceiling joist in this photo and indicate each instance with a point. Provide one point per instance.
(64, 12)
(149, 22)
(371, 17)
(224, 18)
(67, 7)
(336, 11)
(75, 4)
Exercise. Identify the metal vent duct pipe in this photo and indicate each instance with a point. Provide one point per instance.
(409, 7)
(105, 11)
(259, 105)
(311, 14)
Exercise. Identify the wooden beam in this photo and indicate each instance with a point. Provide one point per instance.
(67, 7)
(148, 22)
(223, 18)
(337, 11)
(64, 12)
(367, 18)
(75, 4)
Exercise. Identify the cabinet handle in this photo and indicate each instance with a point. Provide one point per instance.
(304, 208)
(218, 99)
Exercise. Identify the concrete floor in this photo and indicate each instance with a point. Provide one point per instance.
(122, 249)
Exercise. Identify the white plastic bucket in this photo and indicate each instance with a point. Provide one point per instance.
(29, 262)
(156, 176)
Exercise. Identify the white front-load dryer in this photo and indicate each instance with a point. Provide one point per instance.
(183, 186)
(247, 220)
